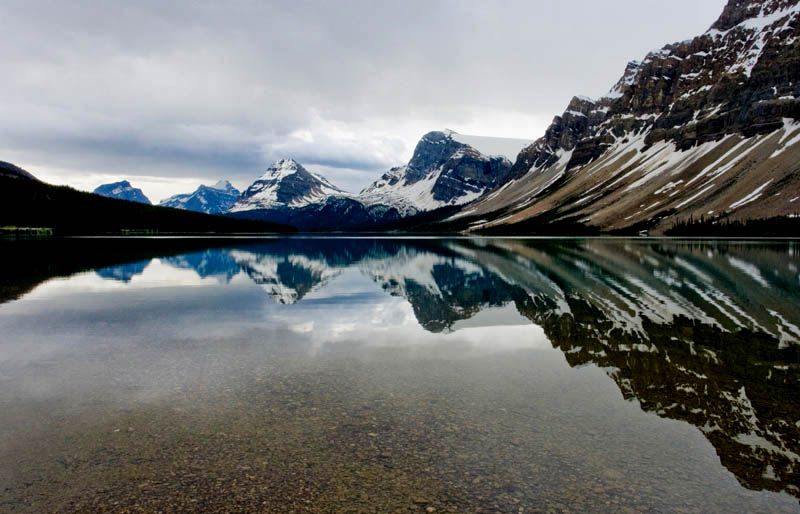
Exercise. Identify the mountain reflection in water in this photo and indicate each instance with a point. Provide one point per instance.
(702, 332)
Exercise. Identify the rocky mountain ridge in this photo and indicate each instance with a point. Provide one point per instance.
(704, 127)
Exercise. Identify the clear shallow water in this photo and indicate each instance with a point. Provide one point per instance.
(358, 375)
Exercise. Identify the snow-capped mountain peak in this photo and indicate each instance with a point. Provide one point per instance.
(286, 183)
(282, 168)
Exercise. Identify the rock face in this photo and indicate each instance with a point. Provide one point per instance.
(122, 190)
(208, 199)
(705, 127)
(446, 169)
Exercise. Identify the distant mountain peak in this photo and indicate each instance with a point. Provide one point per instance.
(208, 199)
(122, 190)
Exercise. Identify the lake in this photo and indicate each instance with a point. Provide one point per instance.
(399, 375)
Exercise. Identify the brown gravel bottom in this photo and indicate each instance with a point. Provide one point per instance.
(339, 436)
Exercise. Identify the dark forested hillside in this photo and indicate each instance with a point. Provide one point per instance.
(30, 203)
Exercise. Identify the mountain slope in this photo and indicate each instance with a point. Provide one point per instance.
(705, 127)
(122, 190)
(9, 170)
(208, 199)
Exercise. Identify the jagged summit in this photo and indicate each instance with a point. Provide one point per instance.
(626, 80)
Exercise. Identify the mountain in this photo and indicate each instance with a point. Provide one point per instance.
(32, 203)
(447, 168)
(122, 190)
(286, 184)
(9, 170)
(289, 194)
(708, 127)
(208, 199)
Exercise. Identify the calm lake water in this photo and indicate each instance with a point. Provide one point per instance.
(387, 375)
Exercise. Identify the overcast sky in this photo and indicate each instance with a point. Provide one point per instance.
(173, 94)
